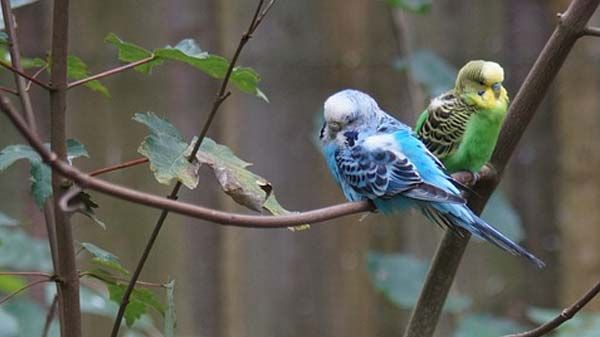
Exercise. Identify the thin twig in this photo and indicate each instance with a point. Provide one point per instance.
(447, 258)
(50, 316)
(221, 97)
(111, 72)
(111, 278)
(15, 57)
(25, 287)
(112, 168)
(35, 75)
(25, 75)
(591, 31)
(9, 91)
(25, 273)
(564, 316)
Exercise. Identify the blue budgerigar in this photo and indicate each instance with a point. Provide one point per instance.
(373, 156)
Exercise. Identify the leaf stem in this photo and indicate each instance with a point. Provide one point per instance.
(111, 72)
(25, 287)
(25, 75)
(116, 167)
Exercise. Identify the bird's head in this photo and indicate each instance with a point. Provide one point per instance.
(347, 113)
(481, 83)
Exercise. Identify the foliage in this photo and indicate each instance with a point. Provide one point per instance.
(188, 52)
(78, 70)
(167, 151)
(400, 278)
(413, 6)
(104, 258)
(40, 173)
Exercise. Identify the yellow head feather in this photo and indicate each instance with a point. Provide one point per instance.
(480, 71)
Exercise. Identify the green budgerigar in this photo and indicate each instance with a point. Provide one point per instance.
(461, 126)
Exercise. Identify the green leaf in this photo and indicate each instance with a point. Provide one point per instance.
(19, 251)
(104, 258)
(431, 71)
(170, 318)
(5, 220)
(166, 150)
(41, 187)
(485, 325)
(129, 52)
(35, 62)
(581, 325)
(414, 6)
(139, 302)
(11, 283)
(78, 70)
(503, 215)
(400, 278)
(188, 52)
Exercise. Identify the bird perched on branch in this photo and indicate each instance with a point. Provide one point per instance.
(461, 126)
(373, 156)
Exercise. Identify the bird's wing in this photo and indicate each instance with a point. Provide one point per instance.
(376, 168)
(441, 127)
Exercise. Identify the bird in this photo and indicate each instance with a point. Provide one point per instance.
(373, 156)
(461, 126)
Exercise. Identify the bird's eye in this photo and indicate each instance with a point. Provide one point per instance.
(481, 92)
(481, 83)
(334, 126)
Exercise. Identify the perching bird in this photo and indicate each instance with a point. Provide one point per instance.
(373, 156)
(461, 127)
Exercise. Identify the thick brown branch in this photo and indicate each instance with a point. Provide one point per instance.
(445, 263)
(564, 316)
(111, 72)
(199, 212)
(68, 288)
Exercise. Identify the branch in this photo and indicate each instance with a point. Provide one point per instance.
(25, 75)
(194, 211)
(15, 57)
(68, 288)
(35, 75)
(111, 72)
(564, 316)
(126, 164)
(50, 316)
(25, 287)
(591, 31)
(107, 278)
(221, 97)
(9, 91)
(25, 273)
(439, 279)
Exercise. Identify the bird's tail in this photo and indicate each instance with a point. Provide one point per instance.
(476, 226)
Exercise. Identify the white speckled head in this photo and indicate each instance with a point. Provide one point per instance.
(339, 107)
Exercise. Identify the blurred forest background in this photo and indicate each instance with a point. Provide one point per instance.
(331, 280)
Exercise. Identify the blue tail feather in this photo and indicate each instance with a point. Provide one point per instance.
(476, 226)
